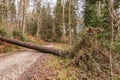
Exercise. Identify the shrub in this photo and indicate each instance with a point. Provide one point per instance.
(116, 47)
(19, 35)
(4, 33)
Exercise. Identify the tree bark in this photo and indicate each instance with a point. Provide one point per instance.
(63, 10)
(23, 19)
(111, 36)
(39, 21)
(99, 7)
(70, 34)
(34, 46)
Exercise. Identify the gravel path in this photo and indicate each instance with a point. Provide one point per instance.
(14, 65)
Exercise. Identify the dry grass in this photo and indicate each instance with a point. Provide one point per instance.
(61, 46)
(63, 72)
(35, 40)
(5, 47)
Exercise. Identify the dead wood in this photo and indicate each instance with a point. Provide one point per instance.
(34, 46)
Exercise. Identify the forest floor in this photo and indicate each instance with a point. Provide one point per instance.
(17, 63)
(50, 67)
(33, 65)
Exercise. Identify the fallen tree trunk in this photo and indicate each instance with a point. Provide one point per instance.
(33, 46)
(43, 49)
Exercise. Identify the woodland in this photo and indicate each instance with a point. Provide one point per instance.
(87, 32)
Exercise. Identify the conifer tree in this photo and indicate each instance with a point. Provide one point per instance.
(47, 23)
(58, 19)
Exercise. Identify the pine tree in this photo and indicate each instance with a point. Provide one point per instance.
(90, 13)
(58, 20)
(47, 24)
(73, 19)
(93, 19)
(69, 19)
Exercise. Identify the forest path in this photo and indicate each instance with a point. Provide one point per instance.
(50, 45)
(14, 65)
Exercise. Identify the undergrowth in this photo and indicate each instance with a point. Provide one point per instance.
(88, 60)
(5, 48)
(63, 72)
(4, 33)
(92, 56)
(19, 35)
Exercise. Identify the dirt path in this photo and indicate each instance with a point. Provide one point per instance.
(50, 45)
(14, 65)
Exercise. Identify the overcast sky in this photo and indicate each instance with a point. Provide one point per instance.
(52, 4)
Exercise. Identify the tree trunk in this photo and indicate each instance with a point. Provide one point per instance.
(111, 36)
(23, 20)
(6, 18)
(99, 7)
(34, 46)
(118, 31)
(38, 10)
(70, 34)
(111, 27)
(38, 27)
(63, 10)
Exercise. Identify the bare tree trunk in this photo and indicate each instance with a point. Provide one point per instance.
(70, 33)
(6, 14)
(99, 7)
(38, 28)
(111, 27)
(19, 14)
(111, 35)
(3, 23)
(118, 31)
(38, 11)
(23, 20)
(3, 20)
(63, 6)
